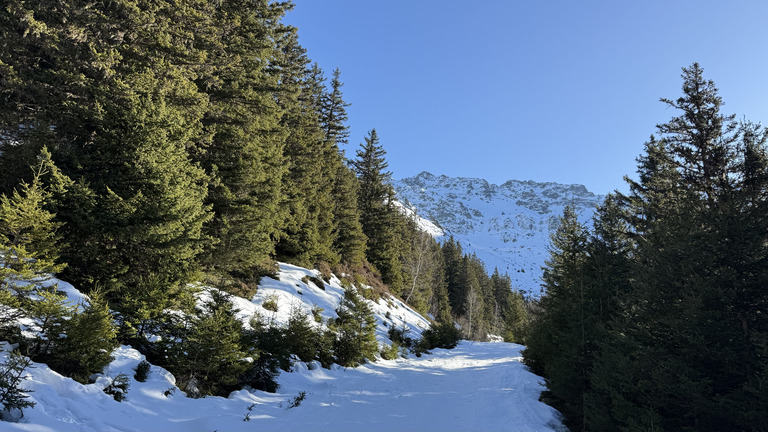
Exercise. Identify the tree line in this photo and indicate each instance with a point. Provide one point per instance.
(147, 145)
(654, 318)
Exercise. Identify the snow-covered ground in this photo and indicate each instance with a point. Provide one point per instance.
(475, 387)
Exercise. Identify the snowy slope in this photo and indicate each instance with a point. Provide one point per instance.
(475, 387)
(507, 225)
(478, 386)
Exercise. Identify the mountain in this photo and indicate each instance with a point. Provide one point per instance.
(507, 226)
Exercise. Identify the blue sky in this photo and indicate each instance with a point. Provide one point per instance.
(562, 91)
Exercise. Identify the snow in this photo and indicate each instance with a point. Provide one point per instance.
(477, 386)
(507, 226)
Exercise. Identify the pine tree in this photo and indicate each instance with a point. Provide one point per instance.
(13, 397)
(312, 161)
(559, 345)
(355, 330)
(242, 149)
(349, 240)
(209, 359)
(452, 254)
(29, 241)
(90, 338)
(382, 223)
(333, 112)
(29, 245)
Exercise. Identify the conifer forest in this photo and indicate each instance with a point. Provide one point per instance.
(148, 148)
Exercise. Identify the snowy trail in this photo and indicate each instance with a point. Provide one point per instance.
(475, 387)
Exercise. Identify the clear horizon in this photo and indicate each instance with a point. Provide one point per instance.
(560, 92)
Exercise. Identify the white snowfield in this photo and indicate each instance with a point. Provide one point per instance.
(475, 387)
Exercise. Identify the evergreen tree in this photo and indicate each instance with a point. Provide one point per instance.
(312, 161)
(209, 360)
(29, 239)
(355, 330)
(90, 338)
(333, 112)
(381, 221)
(243, 152)
(452, 254)
(349, 240)
(559, 344)
(13, 396)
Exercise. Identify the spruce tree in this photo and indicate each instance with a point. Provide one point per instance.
(13, 397)
(349, 239)
(559, 344)
(210, 358)
(90, 337)
(333, 112)
(242, 152)
(355, 330)
(307, 236)
(382, 223)
(29, 239)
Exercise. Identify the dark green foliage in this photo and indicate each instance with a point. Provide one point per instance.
(118, 387)
(349, 240)
(297, 400)
(13, 397)
(654, 322)
(29, 241)
(399, 336)
(90, 338)
(144, 306)
(302, 337)
(209, 360)
(355, 331)
(50, 312)
(142, 371)
(440, 335)
(390, 352)
(382, 223)
(311, 159)
(271, 353)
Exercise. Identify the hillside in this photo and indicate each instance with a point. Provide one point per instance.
(480, 386)
(507, 226)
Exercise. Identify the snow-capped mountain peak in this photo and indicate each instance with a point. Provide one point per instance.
(507, 226)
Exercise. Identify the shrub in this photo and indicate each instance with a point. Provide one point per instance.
(301, 337)
(142, 371)
(325, 270)
(208, 359)
(297, 400)
(315, 280)
(399, 335)
(118, 388)
(12, 395)
(441, 335)
(270, 303)
(90, 338)
(390, 352)
(270, 352)
(355, 331)
(317, 313)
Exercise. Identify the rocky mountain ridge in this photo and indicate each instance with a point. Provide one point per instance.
(507, 226)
